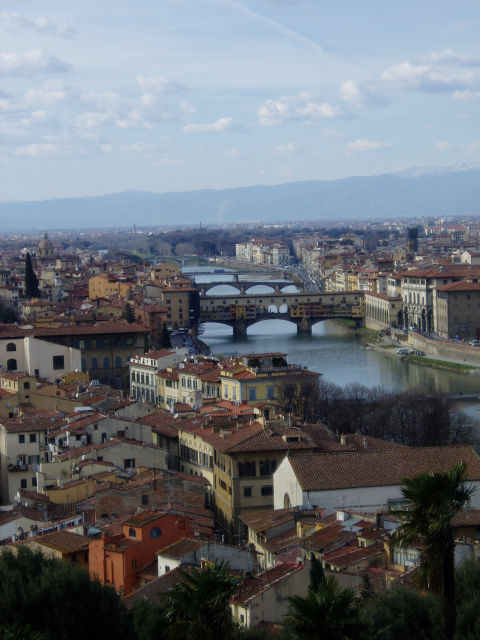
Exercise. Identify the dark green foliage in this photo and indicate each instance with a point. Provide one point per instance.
(165, 341)
(31, 280)
(7, 314)
(329, 613)
(128, 313)
(468, 600)
(434, 498)
(197, 608)
(54, 598)
(403, 614)
(149, 622)
(317, 576)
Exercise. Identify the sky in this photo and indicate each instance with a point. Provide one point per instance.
(178, 95)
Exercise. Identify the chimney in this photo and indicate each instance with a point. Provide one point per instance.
(343, 439)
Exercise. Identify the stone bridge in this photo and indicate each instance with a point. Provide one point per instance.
(244, 285)
(304, 309)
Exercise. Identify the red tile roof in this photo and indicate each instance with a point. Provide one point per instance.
(323, 472)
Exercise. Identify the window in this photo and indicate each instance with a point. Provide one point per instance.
(11, 346)
(155, 532)
(129, 463)
(132, 533)
(21, 438)
(11, 364)
(106, 362)
(58, 362)
(33, 437)
(34, 482)
(252, 394)
(145, 498)
(267, 490)
(247, 492)
(26, 385)
(167, 568)
(118, 361)
(23, 483)
(270, 393)
(94, 363)
(134, 564)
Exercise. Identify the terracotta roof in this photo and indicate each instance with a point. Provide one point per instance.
(323, 472)
(264, 520)
(467, 518)
(21, 425)
(462, 285)
(179, 549)
(351, 554)
(63, 541)
(255, 585)
(143, 518)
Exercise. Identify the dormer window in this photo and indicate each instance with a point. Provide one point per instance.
(132, 532)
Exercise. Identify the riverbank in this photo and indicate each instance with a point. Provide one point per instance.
(388, 345)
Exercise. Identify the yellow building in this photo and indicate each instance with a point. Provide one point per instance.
(103, 286)
(164, 271)
(257, 377)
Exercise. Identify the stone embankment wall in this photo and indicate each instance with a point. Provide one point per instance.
(456, 350)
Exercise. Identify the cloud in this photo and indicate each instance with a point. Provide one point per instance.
(285, 149)
(330, 133)
(231, 153)
(51, 93)
(364, 146)
(224, 125)
(448, 56)
(362, 95)
(467, 95)
(30, 63)
(442, 146)
(472, 148)
(38, 150)
(425, 78)
(301, 107)
(158, 84)
(40, 24)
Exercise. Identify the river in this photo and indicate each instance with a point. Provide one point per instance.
(332, 350)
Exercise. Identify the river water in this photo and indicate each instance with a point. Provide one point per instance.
(332, 350)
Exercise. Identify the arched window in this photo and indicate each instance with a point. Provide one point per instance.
(118, 361)
(106, 362)
(11, 364)
(155, 532)
(84, 364)
(286, 501)
(11, 346)
(94, 363)
(132, 533)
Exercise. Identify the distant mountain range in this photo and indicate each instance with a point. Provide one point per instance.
(416, 192)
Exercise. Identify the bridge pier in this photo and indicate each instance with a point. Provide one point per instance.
(304, 327)
(240, 330)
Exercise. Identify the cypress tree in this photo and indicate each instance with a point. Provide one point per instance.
(165, 337)
(31, 280)
(317, 575)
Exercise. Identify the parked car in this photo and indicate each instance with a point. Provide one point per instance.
(419, 353)
(402, 352)
(474, 343)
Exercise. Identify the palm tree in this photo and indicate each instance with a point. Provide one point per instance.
(198, 606)
(328, 613)
(434, 498)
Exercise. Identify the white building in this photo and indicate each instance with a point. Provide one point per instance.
(38, 357)
(143, 369)
(364, 480)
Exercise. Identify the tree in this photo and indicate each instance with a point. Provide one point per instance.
(434, 498)
(197, 607)
(468, 600)
(316, 573)
(403, 614)
(31, 280)
(7, 314)
(128, 313)
(326, 614)
(42, 595)
(165, 340)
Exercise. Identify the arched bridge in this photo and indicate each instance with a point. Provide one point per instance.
(244, 285)
(304, 309)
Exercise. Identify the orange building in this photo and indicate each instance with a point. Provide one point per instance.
(116, 560)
